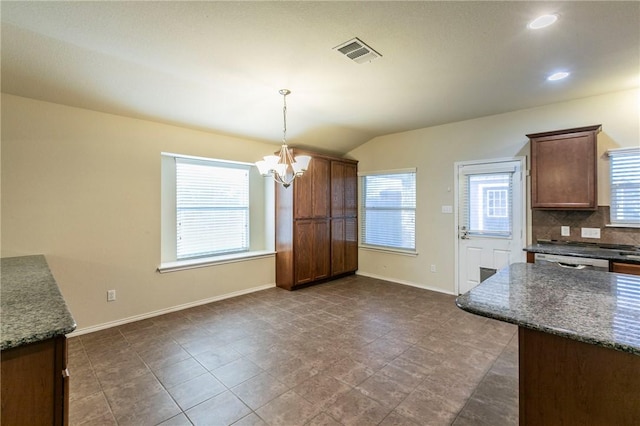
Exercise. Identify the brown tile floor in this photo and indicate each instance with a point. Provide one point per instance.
(356, 351)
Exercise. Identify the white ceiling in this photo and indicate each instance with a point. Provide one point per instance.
(219, 65)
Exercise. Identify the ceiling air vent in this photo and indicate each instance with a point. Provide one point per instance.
(357, 51)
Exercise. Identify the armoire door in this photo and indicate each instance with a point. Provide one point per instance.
(312, 250)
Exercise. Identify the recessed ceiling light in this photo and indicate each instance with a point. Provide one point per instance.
(542, 21)
(558, 76)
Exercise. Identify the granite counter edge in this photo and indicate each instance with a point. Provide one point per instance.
(538, 327)
(37, 337)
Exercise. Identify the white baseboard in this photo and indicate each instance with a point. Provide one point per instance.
(134, 318)
(409, 283)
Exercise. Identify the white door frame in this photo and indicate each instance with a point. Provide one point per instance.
(456, 201)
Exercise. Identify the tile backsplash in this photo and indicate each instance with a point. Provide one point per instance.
(546, 226)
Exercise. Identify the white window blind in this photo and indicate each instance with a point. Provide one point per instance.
(625, 186)
(389, 210)
(488, 207)
(212, 208)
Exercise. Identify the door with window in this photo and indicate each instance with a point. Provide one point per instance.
(490, 219)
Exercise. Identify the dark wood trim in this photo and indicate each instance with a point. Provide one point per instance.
(585, 129)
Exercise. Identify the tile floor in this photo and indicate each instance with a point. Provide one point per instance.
(356, 351)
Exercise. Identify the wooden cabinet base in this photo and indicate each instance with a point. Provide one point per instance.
(566, 382)
(34, 386)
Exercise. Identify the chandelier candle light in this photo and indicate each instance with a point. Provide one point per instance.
(284, 168)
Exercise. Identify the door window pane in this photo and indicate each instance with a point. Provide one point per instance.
(489, 204)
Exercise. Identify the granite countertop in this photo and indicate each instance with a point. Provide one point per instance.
(595, 307)
(588, 251)
(32, 307)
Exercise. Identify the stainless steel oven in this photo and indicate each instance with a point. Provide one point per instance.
(571, 262)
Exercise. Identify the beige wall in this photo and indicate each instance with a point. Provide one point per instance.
(433, 151)
(83, 188)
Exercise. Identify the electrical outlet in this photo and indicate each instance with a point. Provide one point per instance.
(111, 295)
(565, 231)
(433, 268)
(590, 232)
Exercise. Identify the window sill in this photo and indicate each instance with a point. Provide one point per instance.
(181, 265)
(390, 250)
(623, 225)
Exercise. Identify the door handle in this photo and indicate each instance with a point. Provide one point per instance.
(464, 234)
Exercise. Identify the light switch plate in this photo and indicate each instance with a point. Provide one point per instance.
(447, 209)
(565, 231)
(590, 232)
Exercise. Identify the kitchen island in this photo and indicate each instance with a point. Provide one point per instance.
(579, 341)
(35, 320)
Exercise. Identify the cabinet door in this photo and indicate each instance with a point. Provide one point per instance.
(344, 189)
(311, 191)
(563, 171)
(303, 194)
(312, 250)
(351, 244)
(34, 391)
(337, 189)
(344, 245)
(337, 246)
(321, 188)
(350, 190)
(321, 255)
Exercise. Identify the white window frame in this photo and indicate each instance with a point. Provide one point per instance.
(498, 206)
(363, 212)
(261, 217)
(615, 184)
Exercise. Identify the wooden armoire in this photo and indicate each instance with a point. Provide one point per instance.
(317, 223)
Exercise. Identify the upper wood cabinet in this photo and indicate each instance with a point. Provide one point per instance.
(310, 192)
(564, 169)
(344, 188)
(316, 223)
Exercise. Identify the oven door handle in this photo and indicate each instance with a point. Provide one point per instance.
(570, 266)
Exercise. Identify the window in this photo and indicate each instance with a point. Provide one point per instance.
(497, 203)
(625, 187)
(389, 210)
(213, 211)
(488, 206)
(212, 208)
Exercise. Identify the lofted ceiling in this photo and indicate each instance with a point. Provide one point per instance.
(218, 66)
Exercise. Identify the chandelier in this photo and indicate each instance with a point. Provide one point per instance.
(284, 168)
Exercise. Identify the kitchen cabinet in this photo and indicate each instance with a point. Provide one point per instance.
(578, 362)
(625, 268)
(564, 169)
(35, 384)
(316, 223)
(35, 320)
